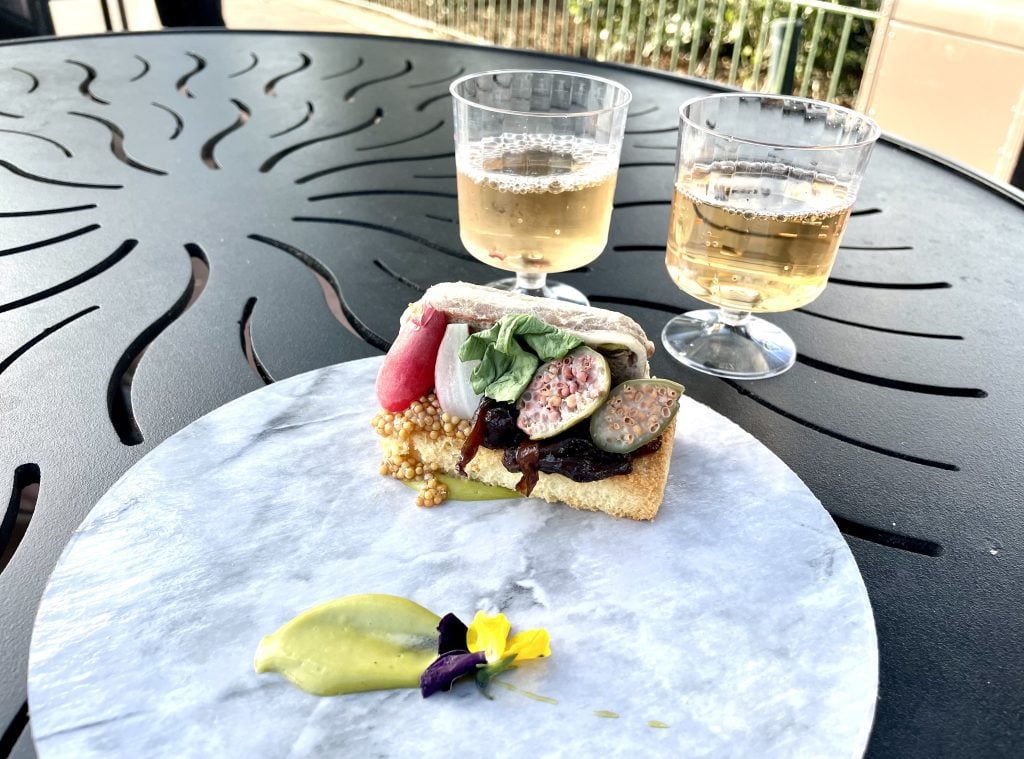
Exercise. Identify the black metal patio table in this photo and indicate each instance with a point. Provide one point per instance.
(186, 217)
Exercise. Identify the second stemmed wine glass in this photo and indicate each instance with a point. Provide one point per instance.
(764, 186)
(537, 153)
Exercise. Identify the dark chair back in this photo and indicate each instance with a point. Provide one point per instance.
(25, 18)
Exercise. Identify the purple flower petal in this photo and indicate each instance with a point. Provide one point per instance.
(448, 668)
(452, 635)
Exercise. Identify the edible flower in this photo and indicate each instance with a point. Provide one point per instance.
(485, 649)
(490, 635)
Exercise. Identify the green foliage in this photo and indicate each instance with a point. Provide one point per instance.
(667, 29)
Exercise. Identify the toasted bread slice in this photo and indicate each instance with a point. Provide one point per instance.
(636, 495)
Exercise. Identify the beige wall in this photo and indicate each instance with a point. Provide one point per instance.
(949, 75)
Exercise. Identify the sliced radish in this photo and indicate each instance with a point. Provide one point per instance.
(407, 373)
(451, 376)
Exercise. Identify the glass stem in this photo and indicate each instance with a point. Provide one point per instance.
(531, 282)
(732, 317)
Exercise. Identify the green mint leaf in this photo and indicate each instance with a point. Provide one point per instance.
(477, 343)
(513, 381)
(506, 366)
(493, 365)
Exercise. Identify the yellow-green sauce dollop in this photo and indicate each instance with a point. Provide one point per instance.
(462, 489)
(353, 644)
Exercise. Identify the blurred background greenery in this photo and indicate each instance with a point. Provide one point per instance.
(733, 54)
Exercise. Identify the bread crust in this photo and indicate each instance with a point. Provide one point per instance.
(480, 307)
(637, 495)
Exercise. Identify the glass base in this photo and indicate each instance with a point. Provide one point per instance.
(749, 348)
(556, 290)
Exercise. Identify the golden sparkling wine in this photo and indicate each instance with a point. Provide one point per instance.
(762, 240)
(540, 205)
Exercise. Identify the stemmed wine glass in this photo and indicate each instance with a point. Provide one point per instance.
(537, 153)
(764, 187)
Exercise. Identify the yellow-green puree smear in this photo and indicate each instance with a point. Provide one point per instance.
(353, 644)
(528, 694)
(461, 489)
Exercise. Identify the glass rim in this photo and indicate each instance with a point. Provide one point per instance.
(534, 114)
(873, 135)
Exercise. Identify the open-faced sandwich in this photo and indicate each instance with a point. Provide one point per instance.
(548, 398)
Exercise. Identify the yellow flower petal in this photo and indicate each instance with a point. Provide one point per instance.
(529, 644)
(488, 634)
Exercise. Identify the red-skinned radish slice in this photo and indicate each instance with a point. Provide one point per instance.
(407, 373)
(454, 390)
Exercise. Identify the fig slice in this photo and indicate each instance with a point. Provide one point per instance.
(407, 373)
(563, 392)
(636, 412)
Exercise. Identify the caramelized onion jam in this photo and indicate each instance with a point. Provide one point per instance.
(570, 453)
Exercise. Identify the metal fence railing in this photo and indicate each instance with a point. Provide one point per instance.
(810, 47)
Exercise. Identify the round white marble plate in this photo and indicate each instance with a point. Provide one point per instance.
(737, 618)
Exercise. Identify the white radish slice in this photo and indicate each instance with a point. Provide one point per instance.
(451, 376)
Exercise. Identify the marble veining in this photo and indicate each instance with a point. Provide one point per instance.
(738, 617)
